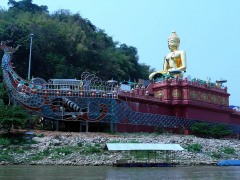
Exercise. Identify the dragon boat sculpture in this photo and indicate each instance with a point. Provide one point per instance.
(58, 99)
(90, 99)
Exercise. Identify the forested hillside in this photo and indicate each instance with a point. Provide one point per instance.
(65, 45)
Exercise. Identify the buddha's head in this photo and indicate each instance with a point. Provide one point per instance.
(173, 41)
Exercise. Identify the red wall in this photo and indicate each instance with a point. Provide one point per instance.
(134, 128)
(234, 119)
(208, 115)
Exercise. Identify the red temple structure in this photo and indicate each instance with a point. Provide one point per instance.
(184, 99)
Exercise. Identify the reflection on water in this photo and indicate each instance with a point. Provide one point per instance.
(112, 173)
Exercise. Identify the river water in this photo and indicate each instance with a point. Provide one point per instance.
(116, 173)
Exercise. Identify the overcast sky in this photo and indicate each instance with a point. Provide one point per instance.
(209, 31)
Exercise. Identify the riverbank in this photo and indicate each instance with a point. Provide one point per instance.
(88, 149)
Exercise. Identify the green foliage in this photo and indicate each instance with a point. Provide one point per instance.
(15, 139)
(4, 141)
(223, 152)
(8, 153)
(219, 131)
(159, 130)
(27, 5)
(200, 129)
(5, 157)
(64, 150)
(3, 94)
(65, 45)
(12, 116)
(194, 147)
(91, 149)
(228, 150)
(15, 150)
(216, 155)
(55, 153)
(41, 155)
(204, 130)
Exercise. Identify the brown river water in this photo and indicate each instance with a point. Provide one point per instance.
(20, 172)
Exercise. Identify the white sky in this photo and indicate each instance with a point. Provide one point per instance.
(208, 29)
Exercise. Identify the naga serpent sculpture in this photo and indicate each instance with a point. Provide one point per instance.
(57, 99)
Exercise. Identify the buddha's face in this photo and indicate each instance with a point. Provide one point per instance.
(173, 44)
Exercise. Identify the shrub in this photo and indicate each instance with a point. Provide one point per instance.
(205, 130)
(219, 131)
(5, 157)
(222, 152)
(12, 116)
(5, 141)
(216, 155)
(194, 147)
(200, 129)
(228, 150)
(64, 150)
(40, 155)
(91, 149)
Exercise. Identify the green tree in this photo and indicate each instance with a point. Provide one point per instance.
(200, 129)
(65, 45)
(219, 131)
(194, 147)
(27, 5)
(12, 116)
(215, 131)
(3, 94)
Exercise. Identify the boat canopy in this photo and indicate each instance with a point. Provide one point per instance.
(143, 147)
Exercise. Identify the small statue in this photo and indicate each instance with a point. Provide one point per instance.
(175, 61)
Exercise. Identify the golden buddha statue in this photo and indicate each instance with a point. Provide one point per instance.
(174, 62)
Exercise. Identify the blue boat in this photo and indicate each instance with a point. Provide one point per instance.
(229, 163)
